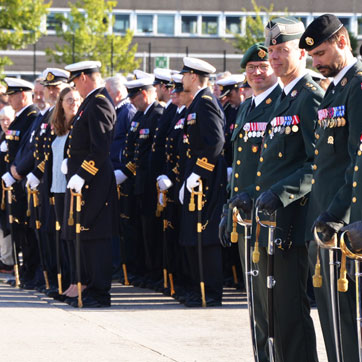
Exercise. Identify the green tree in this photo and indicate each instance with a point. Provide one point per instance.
(20, 24)
(254, 28)
(87, 35)
(354, 43)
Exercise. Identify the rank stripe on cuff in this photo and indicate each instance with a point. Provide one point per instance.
(41, 166)
(204, 164)
(132, 167)
(89, 167)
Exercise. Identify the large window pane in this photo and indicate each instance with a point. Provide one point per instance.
(360, 25)
(233, 24)
(145, 23)
(209, 25)
(121, 23)
(166, 24)
(345, 22)
(52, 21)
(189, 24)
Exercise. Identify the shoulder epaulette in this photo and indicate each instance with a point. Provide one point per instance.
(100, 96)
(310, 86)
(359, 73)
(30, 113)
(207, 97)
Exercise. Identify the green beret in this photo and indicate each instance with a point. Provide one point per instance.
(319, 30)
(256, 53)
(280, 30)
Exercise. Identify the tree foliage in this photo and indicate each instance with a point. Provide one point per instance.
(87, 35)
(254, 28)
(20, 24)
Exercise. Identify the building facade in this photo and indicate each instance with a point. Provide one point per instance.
(166, 31)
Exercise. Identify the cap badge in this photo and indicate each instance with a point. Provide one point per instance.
(309, 41)
(294, 93)
(274, 41)
(261, 53)
(268, 101)
(50, 76)
(344, 82)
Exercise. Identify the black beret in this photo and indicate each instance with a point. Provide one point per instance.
(280, 30)
(319, 30)
(256, 53)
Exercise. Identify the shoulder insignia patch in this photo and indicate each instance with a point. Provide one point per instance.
(100, 96)
(31, 113)
(207, 97)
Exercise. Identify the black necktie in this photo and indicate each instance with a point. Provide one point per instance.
(252, 106)
(330, 88)
(283, 95)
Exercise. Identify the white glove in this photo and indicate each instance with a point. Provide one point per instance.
(8, 179)
(64, 166)
(192, 181)
(181, 194)
(120, 176)
(229, 173)
(76, 183)
(4, 146)
(32, 181)
(164, 183)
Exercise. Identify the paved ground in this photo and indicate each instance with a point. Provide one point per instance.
(141, 326)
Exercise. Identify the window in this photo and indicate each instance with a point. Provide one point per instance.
(121, 23)
(144, 23)
(52, 21)
(166, 24)
(189, 24)
(233, 24)
(209, 25)
(346, 22)
(359, 25)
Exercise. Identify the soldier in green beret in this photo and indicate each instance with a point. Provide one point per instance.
(337, 138)
(247, 137)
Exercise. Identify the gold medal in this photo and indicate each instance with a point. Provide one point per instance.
(287, 130)
(295, 128)
(343, 122)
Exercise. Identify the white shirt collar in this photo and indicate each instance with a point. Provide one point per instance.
(22, 110)
(45, 110)
(180, 109)
(199, 91)
(260, 97)
(292, 84)
(92, 91)
(168, 103)
(148, 107)
(122, 103)
(342, 73)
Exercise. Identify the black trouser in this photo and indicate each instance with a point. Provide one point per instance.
(212, 268)
(98, 262)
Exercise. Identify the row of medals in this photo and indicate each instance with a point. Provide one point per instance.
(332, 122)
(284, 129)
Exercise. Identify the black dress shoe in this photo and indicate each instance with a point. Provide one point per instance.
(90, 302)
(197, 303)
(70, 300)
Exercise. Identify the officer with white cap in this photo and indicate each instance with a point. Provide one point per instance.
(20, 98)
(204, 122)
(90, 172)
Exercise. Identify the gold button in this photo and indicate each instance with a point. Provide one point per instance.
(261, 159)
(359, 153)
(258, 173)
(291, 197)
(354, 200)
(280, 154)
(240, 135)
(354, 184)
(257, 188)
(356, 168)
(236, 125)
(238, 162)
(316, 152)
(240, 149)
(236, 175)
(265, 145)
(317, 136)
(313, 181)
(236, 189)
(86, 186)
(314, 167)
(270, 131)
